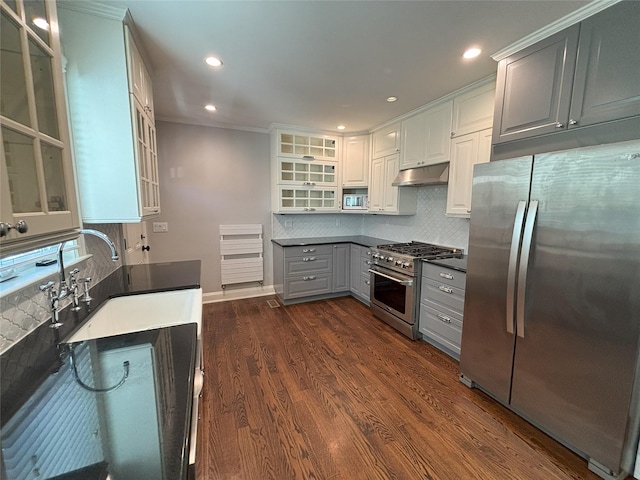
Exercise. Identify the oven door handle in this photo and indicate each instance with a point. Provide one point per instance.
(408, 283)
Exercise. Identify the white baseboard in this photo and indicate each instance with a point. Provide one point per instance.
(236, 294)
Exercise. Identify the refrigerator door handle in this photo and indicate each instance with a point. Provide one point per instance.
(513, 263)
(524, 265)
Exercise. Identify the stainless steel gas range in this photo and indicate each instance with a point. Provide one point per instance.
(395, 281)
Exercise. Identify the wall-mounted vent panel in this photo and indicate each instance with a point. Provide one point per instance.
(241, 254)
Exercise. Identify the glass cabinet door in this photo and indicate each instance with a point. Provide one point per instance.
(301, 145)
(36, 176)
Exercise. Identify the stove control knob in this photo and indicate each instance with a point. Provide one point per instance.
(389, 259)
(406, 265)
(398, 263)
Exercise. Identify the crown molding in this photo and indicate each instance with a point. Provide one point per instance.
(555, 27)
(228, 126)
(94, 8)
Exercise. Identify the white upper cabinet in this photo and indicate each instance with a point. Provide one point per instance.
(111, 110)
(355, 161)
(384, 198)
(309, 146)
(305, 172)
(466, 151)
(473, 110)
(426, 137)
(37, 191)
(386, 141)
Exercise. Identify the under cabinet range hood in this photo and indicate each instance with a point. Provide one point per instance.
(429, 175)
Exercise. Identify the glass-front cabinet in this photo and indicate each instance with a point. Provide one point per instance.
(38, 198)
(305, 172)
(302, 145)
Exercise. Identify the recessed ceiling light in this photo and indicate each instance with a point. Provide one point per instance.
(341, 127)
(472, 53)
(392, 99)
(211, 108)
(213, 61)
(41, 23)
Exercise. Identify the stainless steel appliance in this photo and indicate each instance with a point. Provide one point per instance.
(355, 201)
(395, 281)
(552, 306)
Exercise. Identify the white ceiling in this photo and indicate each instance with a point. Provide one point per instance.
(319, 64)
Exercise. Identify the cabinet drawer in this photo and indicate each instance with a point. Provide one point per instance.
(311, 263)
(441, 295)
(365, 265)
(444, 275)
(440, 327)
(365, 285)
(307, 285)
(307, 250)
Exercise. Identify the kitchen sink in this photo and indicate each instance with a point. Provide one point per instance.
(136, 313)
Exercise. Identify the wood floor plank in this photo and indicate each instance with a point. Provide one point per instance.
(324, 390)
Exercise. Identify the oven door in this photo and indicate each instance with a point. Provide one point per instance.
(393, 292)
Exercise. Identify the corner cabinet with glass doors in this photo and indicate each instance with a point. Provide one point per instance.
(38, 203)
(305, 171)
(112, 118)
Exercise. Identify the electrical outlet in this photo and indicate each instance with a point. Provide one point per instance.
(160, 227)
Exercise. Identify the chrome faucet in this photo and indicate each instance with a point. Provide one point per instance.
(54, 296)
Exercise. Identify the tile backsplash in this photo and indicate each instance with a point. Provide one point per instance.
(429, 224)
(25, 309)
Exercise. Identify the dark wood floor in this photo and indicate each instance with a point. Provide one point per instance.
(324, 390)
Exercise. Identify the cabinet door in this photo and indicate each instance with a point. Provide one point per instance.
(354, 268)
(473, 111)
(438, 134)
(386, 141)
(466, 152)
(310, 173)
(147, 159)
(309, 146)
(341, 264)
(355, 171)
(607, 78)
(307, 199)
(413, 143)
(36, 176)
(376, 185)
(533, 89)
(390, 199)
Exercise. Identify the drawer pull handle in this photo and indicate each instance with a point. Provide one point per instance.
(368, 282)
(368, 262)
(311, 277)
(444, 318)
(308, 259)
(308, 250)
(308, 157)
(311, 184)
(448, 276)
(445, 289)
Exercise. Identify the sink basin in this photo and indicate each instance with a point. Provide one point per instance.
(136, 313)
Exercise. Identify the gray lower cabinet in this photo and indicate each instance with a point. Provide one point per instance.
(441, 307)
(307, 271)
(341, 267)
(360, 276)
(584, 76)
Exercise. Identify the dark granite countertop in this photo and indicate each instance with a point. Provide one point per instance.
(459, 264)
(362, 240)
(34, 361)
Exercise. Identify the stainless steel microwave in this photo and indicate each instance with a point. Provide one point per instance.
(352, 201)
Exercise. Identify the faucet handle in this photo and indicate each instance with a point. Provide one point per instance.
(85, 282)
(73, 273)
(48, 288)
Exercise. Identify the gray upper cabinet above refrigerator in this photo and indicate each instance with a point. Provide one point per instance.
(576, 88)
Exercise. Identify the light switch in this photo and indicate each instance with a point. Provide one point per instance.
(160, 227)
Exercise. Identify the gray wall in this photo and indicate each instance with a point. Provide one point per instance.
(209, 177)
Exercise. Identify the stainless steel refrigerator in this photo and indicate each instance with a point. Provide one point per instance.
(552, 305)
